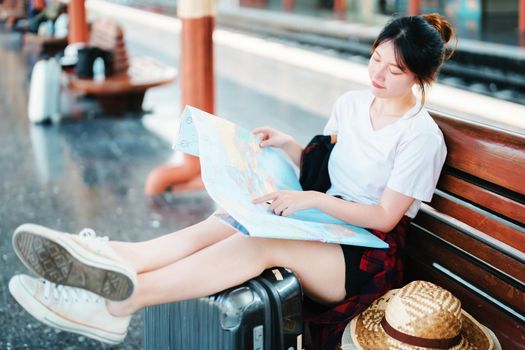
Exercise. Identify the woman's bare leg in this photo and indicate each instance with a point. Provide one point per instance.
(156, 253)
(229, 262)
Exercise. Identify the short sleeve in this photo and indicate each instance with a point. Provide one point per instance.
(331, 126)
(417, 166)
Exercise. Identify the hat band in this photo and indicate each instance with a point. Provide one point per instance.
(417, 341)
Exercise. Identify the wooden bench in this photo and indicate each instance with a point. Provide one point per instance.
(12, 11)
(124, 90)
(471, 238)
(48, 45)
(44, 44)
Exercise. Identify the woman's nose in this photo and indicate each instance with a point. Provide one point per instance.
(378, 74)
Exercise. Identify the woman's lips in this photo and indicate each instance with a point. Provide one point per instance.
(376, 85)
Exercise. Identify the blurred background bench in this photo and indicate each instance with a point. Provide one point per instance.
(122, 91)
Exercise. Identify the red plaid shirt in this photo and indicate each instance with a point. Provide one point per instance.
(326, 325)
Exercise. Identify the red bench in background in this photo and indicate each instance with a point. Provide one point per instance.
(124, 90)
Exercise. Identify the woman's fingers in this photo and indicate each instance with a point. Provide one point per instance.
(288, 211)
(263, 131)
(280, 208)
(281, 202)
(267, 197)
(276, 203)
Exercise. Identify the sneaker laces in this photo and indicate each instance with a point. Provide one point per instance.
(99, 244)
(90, 234)
(89, 238)
(68, 294)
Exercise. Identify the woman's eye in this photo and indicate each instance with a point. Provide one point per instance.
(396, 73)
(375, 59)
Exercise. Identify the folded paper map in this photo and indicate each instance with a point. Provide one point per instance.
(235, 170)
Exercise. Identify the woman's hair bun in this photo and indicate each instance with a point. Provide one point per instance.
(443, 26)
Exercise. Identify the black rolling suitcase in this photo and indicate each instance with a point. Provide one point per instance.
(262, 314)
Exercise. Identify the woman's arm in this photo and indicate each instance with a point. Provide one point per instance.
(271, 137)
(384, 216)
(294, 150)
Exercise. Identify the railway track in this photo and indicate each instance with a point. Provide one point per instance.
(489, 69)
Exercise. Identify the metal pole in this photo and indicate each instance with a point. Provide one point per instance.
(288, 5)
(38, 5)
(414, 7)
(197, 86)
(78, 29)
(339, 8)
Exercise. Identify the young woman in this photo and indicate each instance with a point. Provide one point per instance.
(387, 160)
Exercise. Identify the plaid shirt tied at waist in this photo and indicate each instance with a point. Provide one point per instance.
(326, 325)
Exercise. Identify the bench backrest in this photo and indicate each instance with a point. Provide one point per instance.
(471, 238)
(108, 35)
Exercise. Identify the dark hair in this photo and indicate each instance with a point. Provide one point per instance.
(419, 45)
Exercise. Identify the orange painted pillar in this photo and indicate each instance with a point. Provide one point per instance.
(339, 7)
(197, 89)
(288, 5)
(38, 4)
(78, 29)
(414, 7)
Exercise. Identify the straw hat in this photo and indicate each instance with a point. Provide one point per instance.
(421, 315)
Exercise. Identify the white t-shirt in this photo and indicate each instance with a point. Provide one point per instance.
(405, 156)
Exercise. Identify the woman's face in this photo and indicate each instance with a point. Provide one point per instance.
(386, 76)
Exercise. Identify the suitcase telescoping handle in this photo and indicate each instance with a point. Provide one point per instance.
(277, 314)
(283, 287)
(266, 343)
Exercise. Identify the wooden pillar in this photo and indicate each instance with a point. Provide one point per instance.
(253, 3)
(414, 7)
(288, 5)
(78, 29)
(38, 5)
(197, 77)
(521, 20)
(340, 8)
(8, 4)
(197, 89)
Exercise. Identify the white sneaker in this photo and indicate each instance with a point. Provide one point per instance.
(84, 260)
(69, 309)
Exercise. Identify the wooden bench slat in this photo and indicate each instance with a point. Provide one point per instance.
(136, 80)
(496, 157)
(471, 238)
(429, 249)
(123, 90)
(490, 200)
(108, 35)
(509, 330)
(479, 221)
(490, 255)
(109, 26)
(103, 41)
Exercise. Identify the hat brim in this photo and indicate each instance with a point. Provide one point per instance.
(368, 334)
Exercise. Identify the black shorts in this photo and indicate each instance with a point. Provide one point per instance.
(355, 278)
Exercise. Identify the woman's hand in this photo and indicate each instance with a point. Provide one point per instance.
(271, 137)
(285, 203)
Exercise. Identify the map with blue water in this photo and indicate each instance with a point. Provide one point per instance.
(235, 170)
